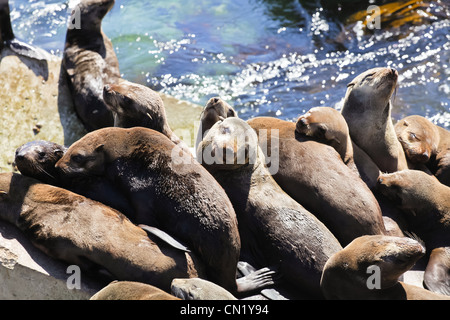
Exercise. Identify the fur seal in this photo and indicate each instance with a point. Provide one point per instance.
(346, 274)
(135, 105)
(215, 110)
(367, 111)
(37, 159)
(274, 229)
(8, 39)
(199, 289)
(426, 203)
(327, 125)
(426, 143)
(131, 290)
(91, 63)
(181, 199)
(314, 175)
(81, 231)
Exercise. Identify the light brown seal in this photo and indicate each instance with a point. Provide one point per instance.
(274, 229)
(89, 234)
(367, 111)
(426, 203)
(135, 105)
(327, 125)
(180, 198)
(314, 175)
(199, 289)
(91, 63)
(347, 274)
(131, 290)
(426, 143)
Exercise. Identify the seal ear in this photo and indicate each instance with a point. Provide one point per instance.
(405, 123)
(99, 148)
(3, 194)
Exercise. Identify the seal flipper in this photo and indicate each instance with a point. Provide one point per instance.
(258, 279)
(437, 272)
(24, 49)
(165, 237)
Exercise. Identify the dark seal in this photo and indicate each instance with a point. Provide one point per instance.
(91, 63)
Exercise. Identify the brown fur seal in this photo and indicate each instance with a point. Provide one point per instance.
(427, 204)
(274, 229)
(327, 125)
(199, 289)
(91, 63)
(315, 176)
(131, 290)
(367, 111)
(347, 274)
(135, 105)
(37, 159)
(426, 143)
(182, 199)
(84, 232)
(215, 110)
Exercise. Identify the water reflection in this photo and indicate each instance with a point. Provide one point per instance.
(267, 57)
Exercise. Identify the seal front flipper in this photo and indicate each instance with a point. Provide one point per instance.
(165, 237)
(24, 49)
(437, 273)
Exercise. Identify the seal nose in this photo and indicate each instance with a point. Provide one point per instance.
(394, 72)
(20, 157)
(303, 122)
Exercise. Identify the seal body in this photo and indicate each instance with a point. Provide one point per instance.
(275, 230)
(348, 274)
(327, 125)
(314, 175)
(199, 289)
(80, 231)
(426, 203)
(426, 143)
(367, 111)
(135, 105)
(37, 159)
(131, 290)
(91, 63)
(168, 190)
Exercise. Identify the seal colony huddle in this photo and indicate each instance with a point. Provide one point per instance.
(264, 208)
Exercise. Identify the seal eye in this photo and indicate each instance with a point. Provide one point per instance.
(413, 136)
(41, 155)
(78, 159)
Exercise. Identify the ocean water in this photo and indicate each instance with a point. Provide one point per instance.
(265, 57)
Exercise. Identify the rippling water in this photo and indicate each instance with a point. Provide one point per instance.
(265, 57)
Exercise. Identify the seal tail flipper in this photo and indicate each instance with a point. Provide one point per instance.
(165, 237)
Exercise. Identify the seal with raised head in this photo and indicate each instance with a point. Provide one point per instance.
(367, 111)
(180, 198)
(426, 143)
(131, 290)
(369, 267)
(91, 63)
(80, 231)
(426, 203)
(314, 175)
(274, 229)
(327, 125)
(135, 105)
